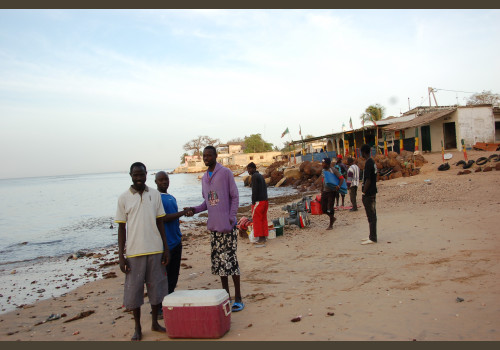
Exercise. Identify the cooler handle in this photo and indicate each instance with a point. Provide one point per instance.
(226, 306)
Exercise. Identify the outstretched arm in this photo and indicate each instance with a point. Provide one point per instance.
(173, 216)
(199, 208)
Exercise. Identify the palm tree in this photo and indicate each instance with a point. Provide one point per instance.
(373, 112)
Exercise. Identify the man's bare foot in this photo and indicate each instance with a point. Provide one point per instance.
(329, 228)
(137, 335)
(157, 328)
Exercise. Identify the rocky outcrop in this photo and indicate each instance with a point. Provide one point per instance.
(292, 173)
(307, 177)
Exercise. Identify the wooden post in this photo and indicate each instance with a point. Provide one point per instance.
(465, 151)
(400, 141)
(355, 150)
(442, 150)
(385, 145)
(416, 139)
(416, 148)
(376, 140)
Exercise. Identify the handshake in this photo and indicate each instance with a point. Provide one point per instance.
(188, 211)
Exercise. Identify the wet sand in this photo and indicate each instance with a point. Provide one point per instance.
(437, 245)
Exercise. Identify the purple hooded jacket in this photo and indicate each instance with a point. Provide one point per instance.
(221, 199)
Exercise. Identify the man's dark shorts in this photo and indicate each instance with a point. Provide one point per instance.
(327, 202)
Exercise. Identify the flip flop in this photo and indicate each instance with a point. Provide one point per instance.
(237, 306)
(260, 245)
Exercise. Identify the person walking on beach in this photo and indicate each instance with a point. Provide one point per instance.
(142, 247)
(352, 182)
(221, 199)
(328, 194)
(342, 169)
(260, 205)
(172, 228)
(369, 194)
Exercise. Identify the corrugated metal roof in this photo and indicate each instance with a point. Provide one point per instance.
(394, 120)
(423, 119)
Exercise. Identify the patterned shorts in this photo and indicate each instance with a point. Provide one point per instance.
(224, 261)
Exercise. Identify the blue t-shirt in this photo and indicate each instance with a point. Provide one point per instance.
(172, 228)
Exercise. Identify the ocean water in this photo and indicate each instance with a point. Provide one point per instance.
(57, 216)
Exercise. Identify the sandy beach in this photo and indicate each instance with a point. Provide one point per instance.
(433, 275)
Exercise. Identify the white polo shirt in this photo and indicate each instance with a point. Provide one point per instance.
(140, 212)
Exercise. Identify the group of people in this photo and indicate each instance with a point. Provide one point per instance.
(350, 174)
(149, 236)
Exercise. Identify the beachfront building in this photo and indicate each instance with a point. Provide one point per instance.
(496, 114)
(192, 164)
(447, 124)
(192, 160)
(226, 150)
(347, 142)
(319, 147)
(232, 153)
(262, 158)
(450, 124)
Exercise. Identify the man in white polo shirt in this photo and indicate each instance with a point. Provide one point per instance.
(142, 247)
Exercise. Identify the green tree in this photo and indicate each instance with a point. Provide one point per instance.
(484, 97)
(373, 112)
(254, 143)
(182, 157)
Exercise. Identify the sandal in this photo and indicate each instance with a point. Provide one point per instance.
(237, 306)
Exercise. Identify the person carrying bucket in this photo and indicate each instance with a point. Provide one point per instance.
(328, 194)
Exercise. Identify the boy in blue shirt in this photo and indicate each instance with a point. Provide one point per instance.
(172, 229)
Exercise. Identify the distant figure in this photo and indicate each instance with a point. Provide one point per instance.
(172, 229)
(260, 205)
(221, 199)
(369, 194)
(328, 194)
(142, 247)
(342, 168)
(352, 182)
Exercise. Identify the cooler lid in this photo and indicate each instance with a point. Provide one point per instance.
(210, 297)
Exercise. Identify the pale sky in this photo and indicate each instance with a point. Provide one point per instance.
(96, 90)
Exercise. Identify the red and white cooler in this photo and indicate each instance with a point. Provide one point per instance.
(197, 313)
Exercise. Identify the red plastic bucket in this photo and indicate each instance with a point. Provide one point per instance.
(316, 208)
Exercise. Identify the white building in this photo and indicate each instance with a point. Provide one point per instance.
(449, 124)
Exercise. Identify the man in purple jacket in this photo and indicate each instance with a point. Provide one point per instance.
(221, 200)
